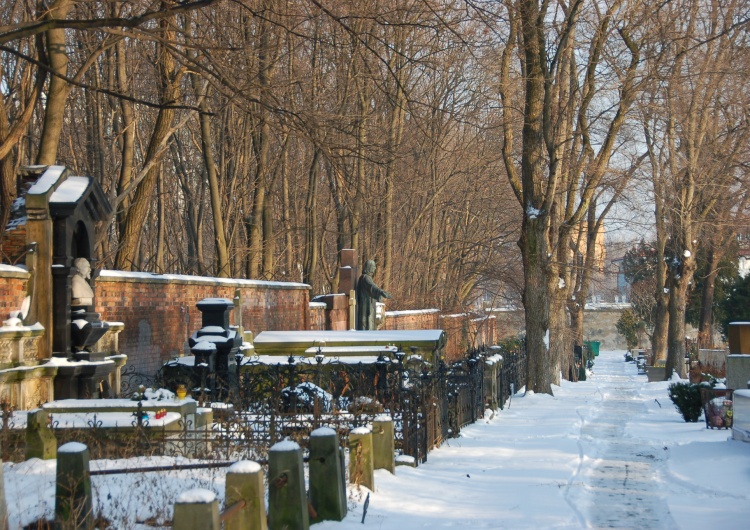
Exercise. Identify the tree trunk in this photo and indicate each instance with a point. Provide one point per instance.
(127, 254)
(269, 242)
(310, 266)
(222, 252)
(396, 133)
(57, 93)
(260, 147)
(286, 220)
(706, 324)
(661, 311)
(541, 372)
(160, 226)
(676, 338)
(127, 133)
(7, 171)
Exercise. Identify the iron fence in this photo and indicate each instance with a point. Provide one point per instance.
(428, 402)
(512, 375)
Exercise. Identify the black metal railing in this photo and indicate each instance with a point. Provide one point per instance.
(428, 402)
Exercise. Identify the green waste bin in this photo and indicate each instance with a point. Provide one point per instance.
(594, 347)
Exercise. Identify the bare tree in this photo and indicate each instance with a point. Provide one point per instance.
(566, 146)
(698, 127)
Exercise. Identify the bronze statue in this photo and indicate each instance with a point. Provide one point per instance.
(367, 295)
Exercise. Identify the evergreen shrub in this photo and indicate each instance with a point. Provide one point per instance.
(686, 397)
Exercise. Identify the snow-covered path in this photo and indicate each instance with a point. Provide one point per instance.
(610, 452)
(616, 485)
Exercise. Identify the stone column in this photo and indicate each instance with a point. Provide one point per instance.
(383, 445)
(73, 503)
(245, 483)
(327, 489)
(39, 231)
(196, 509)
(287, 501)
(361, 468)
(3, 505)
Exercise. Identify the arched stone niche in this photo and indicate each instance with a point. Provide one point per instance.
(76, 206)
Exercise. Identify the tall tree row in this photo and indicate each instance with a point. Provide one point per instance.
(257, 139)
(695, 122)
(456, 143)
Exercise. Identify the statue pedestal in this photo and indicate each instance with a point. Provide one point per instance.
(84, 380)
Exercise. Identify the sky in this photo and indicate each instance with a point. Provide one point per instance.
(609, 452)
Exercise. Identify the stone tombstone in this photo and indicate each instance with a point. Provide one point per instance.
(348, 274)
(215, 330)
(245, 482)
(40, 439)
(76, 206)
(739, 338)
(348, 270)
(196, 509)
(361, 463)
(383, 443)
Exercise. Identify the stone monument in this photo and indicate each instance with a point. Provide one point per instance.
(62, 212)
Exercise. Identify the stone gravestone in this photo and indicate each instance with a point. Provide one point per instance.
(348, 274)
(361, 465)
(73, 501)
(40, 440)
(244, 482)
(215, 330)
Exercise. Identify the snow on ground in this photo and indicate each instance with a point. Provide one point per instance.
(610, 452)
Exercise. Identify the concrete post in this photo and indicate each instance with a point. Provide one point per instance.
(196, 509)
(245, 483)
(352, 309)
(361, 470)
(327, 489)
(73, 503)
(383, 445)
(204, 418)
(3, 505)
(40, 440)
(287, 501)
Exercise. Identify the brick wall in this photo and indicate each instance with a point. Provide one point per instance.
(422, 319)
(13, 244)
(463, 331)
(12, 289)
(160, 314)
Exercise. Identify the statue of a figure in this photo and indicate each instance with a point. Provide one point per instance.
(83, 294)
(367, 295)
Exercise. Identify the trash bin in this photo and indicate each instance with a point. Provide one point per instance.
(579, 362)
(594, 347)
